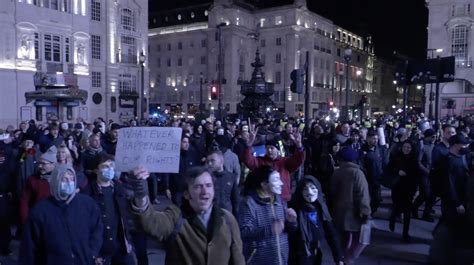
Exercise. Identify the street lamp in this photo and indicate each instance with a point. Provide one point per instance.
(220, 73)
(142, 59)
(347, 59)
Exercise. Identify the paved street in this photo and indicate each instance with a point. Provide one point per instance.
(386, 247)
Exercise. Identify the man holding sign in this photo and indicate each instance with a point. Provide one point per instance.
(199, 232)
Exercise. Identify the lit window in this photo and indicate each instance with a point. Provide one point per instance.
(459, 42)
(52, 48)
(128, 49)
(278, 20)
(127, 83)
(262, 22)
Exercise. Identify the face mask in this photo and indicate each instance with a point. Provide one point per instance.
(67, 188)
(310, 193)
(275, 183)
(464, 151)
(107, 174)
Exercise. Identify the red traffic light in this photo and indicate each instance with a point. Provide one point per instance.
(331, 103)
(214, 92)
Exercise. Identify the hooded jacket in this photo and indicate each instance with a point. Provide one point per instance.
(62, 229)
(299, 243)
(349, 196)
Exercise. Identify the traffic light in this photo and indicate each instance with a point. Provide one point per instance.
(214, 92)
(297, 81)
(331, 104)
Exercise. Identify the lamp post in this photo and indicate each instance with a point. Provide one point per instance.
(201, 103)
(347, 59)
(142, 59)
(220, 70)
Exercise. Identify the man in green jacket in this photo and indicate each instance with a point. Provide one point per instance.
(197, 233)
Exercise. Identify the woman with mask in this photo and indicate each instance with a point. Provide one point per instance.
(111, 198)
(314, 220)
(403, 168)
(264, 219)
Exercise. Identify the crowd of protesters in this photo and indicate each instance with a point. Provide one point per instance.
(260, 191)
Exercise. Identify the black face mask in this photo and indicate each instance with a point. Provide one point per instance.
(464, 151)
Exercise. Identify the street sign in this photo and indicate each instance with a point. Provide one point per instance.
(425, 72)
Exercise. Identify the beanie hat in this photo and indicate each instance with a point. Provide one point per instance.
(348, 154)
(50, 155)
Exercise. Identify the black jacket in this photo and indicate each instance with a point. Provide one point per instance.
(226, 191)
(175, 182)
(454, 186)
(122, 244)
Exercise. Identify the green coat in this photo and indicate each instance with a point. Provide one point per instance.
(349, 196)
(193, 245)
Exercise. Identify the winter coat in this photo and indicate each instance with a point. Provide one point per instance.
(404, 187)
(35, 190)
(256, 218)
(232, 163)
(298, 246)
(350, 197)
(190, 243)
(454, 187)
(374, 162)
(187, 159)
(284, 165)
(109, 146)
(122, 243)
(60, 233)
(226, 191)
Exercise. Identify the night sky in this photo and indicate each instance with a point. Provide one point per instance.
(394, 24)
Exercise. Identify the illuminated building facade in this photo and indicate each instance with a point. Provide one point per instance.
(71, 59)
(184, 50)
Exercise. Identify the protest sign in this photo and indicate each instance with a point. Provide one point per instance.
(156, 148)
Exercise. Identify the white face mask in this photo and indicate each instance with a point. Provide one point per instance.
(102, 127)
(310, 192)
(275, 183)
(64, 126)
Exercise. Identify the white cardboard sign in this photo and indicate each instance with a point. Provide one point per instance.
(156, 148)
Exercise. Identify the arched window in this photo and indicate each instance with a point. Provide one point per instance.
(128, 19)
(459, 42)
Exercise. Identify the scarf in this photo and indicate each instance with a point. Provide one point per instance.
(92, 150)
(308, 222)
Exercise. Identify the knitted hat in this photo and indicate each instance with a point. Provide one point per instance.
(50, 155)
(348, 154)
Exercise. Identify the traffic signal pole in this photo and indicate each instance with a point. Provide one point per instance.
(306, 95)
